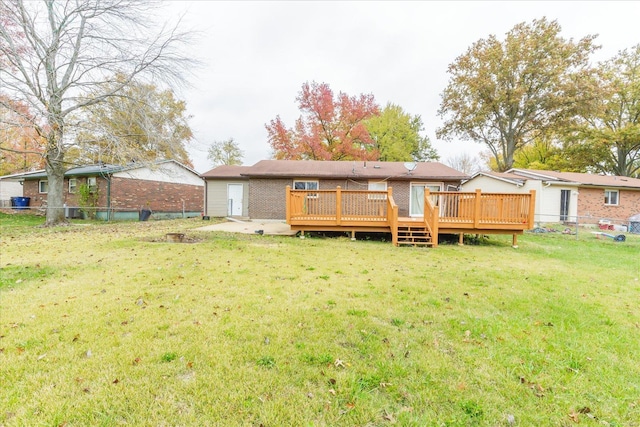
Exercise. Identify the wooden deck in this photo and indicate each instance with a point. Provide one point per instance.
(376, 211)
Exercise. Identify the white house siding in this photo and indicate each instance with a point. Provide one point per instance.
(9, 188)
(164, 172)
(217, 197)
(547, 197)
(550, 203)
(492, 185)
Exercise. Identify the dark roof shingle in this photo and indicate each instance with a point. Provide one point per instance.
(351, 169)
(226, 171)
(580, 178)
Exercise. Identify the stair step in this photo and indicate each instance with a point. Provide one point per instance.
(414, 235)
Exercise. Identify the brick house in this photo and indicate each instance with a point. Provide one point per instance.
(11, 187)
(567, 196)
(167, 188)
(259, 191)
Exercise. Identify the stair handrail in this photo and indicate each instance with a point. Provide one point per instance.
(392, 216)
(431, 216)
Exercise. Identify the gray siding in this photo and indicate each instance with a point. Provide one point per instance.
(217, 197)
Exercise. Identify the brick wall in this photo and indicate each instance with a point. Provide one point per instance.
(135, 194)
(31, 189)
(267, 198)
(591, 207)
(131, 195)
(401, 192)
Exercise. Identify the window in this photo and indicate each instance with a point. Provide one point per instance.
(306, 185)
(92, 183)
(377, 186)
(611, 197)
(43, 186)
(73, 185)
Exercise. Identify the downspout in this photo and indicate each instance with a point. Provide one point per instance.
(108, 197)
(204, 211)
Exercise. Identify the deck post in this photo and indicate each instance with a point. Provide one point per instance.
(532, 208)
(461, 239)
(476, 208)
(515, 241)
(338, 205)
(288, 205)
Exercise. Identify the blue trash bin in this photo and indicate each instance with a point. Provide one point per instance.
(144, 214)
(22, 202)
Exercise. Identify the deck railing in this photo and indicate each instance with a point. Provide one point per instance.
(340, 207)
(443, 210)
(485, 210)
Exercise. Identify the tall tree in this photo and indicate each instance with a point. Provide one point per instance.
(505, 94)
(142, 124)
(610, 129)
(226, 152)
(330, 127)
(397, 138)
(544, 154)
(61, 54)
(21, 148)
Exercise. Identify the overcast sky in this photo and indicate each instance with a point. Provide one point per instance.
(257, 55)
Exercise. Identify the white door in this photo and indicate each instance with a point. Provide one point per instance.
(416, 202)
(234, 199)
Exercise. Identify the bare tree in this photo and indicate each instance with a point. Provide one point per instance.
(465, 163)
(60, 57)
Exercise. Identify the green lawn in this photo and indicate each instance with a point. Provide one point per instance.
(107, 324)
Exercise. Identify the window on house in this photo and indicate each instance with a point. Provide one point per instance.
(43, 186)
(377, 186)
(73, 185)
(306, 185)
(92, 183)
(611, 197)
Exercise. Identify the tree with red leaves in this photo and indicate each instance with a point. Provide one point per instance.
(21, 148)
(330, 128)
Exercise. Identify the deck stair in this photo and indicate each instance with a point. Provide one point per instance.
(414, 234)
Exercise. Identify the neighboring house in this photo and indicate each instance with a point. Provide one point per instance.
(11, 186)
(567, 196)
(167, 188)
(260, 190)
